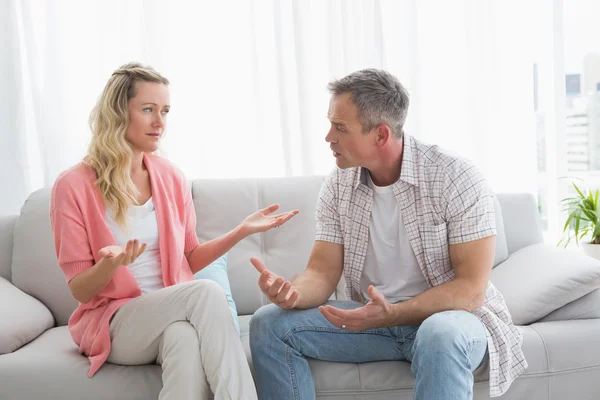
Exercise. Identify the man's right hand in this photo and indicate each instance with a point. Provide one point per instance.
(276, 288)
(116, 256)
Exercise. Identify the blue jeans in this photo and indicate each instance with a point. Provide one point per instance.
(444, 350)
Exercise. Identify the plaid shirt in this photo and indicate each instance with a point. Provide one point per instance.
(443, 200)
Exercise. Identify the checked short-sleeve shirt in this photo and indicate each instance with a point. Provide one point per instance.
(443, 200)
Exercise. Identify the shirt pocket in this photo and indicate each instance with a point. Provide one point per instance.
(434, 239)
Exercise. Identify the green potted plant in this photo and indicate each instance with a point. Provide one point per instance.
(583, 221)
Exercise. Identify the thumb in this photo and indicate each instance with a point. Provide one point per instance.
(270, 209)
(259, 265)
(376, 296)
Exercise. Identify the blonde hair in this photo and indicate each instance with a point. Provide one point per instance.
(109, 154)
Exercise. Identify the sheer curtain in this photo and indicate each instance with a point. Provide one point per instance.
(248, 80)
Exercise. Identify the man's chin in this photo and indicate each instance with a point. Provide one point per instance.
(343, 164)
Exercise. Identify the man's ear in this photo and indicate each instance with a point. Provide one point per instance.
(382, 134)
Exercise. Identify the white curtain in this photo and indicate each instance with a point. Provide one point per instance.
(248, 80)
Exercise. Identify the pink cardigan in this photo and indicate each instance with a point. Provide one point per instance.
(77, 216)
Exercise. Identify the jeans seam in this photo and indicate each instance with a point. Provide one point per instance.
(330, 330)
(470, 344)
(288, 355)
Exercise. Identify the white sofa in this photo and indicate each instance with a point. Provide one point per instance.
(38, 359)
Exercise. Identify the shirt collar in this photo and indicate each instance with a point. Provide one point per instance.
(408, 170)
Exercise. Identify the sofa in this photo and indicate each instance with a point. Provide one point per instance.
(551, 293)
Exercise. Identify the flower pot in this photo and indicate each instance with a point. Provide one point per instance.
(592, 250)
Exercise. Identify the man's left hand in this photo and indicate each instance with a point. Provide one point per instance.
(377, 313)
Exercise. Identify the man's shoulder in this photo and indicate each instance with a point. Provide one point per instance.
(343, 176)
(436, 160)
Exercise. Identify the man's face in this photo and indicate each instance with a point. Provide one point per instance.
(350, 146)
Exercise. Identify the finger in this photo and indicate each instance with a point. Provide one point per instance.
(376, 296)
(270, 209)
(134, 250)
(142, 249)
(276, 287)
(264, 281)
(334, 320)
(346, 315)
(259, 265)
(118, 259)
(286, 217)
(283, 293)
(128, 251)
(291, 301)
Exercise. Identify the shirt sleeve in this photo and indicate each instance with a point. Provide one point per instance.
(327, 215)
(468, 203)
(71, 241)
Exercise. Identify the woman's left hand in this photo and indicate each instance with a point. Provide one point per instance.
(263, 220)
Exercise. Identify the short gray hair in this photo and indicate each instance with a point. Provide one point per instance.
(379, 96)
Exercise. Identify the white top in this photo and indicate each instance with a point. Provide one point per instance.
(390, 264)
(142, 225)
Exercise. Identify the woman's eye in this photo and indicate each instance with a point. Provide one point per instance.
(166, 111)
(148, 109)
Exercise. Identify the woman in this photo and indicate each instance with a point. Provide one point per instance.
(124, 229)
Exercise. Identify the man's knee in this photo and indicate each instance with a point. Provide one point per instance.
(264, 321)
(441, 332)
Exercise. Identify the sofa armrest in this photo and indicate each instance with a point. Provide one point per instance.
(22, 318)
(539, 279)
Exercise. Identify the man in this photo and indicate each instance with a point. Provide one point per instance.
(413, 230)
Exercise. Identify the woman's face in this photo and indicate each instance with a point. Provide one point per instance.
(148, 111)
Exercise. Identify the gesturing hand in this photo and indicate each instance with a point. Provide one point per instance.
(375, 314)
(117, 255)
(276, 288)
(263, 220)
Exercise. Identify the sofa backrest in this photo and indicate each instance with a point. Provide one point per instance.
(7, 224)
(522, 222)
(220, 206)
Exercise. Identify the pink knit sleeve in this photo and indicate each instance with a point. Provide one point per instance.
(191, 239)
(71, 242)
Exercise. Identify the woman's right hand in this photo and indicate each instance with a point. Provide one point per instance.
(116, 256)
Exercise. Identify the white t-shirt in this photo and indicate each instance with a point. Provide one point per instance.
(142, 225)
(390, 264)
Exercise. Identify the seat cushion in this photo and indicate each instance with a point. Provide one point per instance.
(393, 379)
(51, 367)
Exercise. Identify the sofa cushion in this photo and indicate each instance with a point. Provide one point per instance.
(217, 271)
(586, 307)
(22, 318)
(539, 279)
(501, 253)
(394, 380)
(51, 367)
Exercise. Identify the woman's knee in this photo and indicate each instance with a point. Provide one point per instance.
(206, 290)
(179, 337)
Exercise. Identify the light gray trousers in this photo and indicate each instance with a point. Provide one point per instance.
(188, 330)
